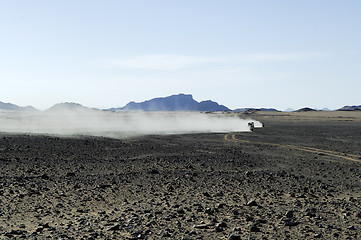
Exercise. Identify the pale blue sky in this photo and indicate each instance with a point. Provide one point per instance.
(239, 53)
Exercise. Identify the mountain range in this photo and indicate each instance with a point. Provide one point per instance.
(180, 102)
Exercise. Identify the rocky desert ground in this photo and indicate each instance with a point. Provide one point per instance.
(298, 177)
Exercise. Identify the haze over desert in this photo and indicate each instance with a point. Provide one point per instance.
(184, 120)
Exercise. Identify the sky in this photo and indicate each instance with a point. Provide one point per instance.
(240, 53)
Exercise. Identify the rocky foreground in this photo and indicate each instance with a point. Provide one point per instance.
(196, 186)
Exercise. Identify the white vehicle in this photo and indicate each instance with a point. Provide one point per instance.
(251, 126)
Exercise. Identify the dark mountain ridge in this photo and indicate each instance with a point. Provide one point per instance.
(180, 102)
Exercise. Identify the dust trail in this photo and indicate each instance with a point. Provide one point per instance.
(120, 124)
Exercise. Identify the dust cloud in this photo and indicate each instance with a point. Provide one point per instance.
(120, 124)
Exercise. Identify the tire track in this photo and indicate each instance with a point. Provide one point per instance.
(351, 157)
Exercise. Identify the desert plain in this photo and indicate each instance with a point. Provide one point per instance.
(299, 177)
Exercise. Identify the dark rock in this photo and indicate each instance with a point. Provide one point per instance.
(16, 232)
(262, 221)
(252, 202)
(104, 186)
(116, 227)
(219, 194)
(234, 236)
(351, 227)
(254, 228)
(209, 211)
(248, 173)
(180, 210)
(46, 225)
(311, 212)
(318, 235)
(166, 234)
(158, 212)
(219, 229)
(45, 177)
(154, 171)
(290, 223)
(140, 236)
(70, 174)
(220, 205)
(201, 226)
(206, 194)
(222, 224)
(289, 214)
(235, 212)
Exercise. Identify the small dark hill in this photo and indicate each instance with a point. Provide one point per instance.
(306, 109)
(350, 108)
(255, 110)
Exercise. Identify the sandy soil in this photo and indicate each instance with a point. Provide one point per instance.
(297, 178)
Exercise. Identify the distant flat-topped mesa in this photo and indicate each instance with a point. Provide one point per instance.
(180, 102)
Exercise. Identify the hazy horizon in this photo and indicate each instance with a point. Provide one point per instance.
(102, 54)
(120, 124)
(116, 106)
